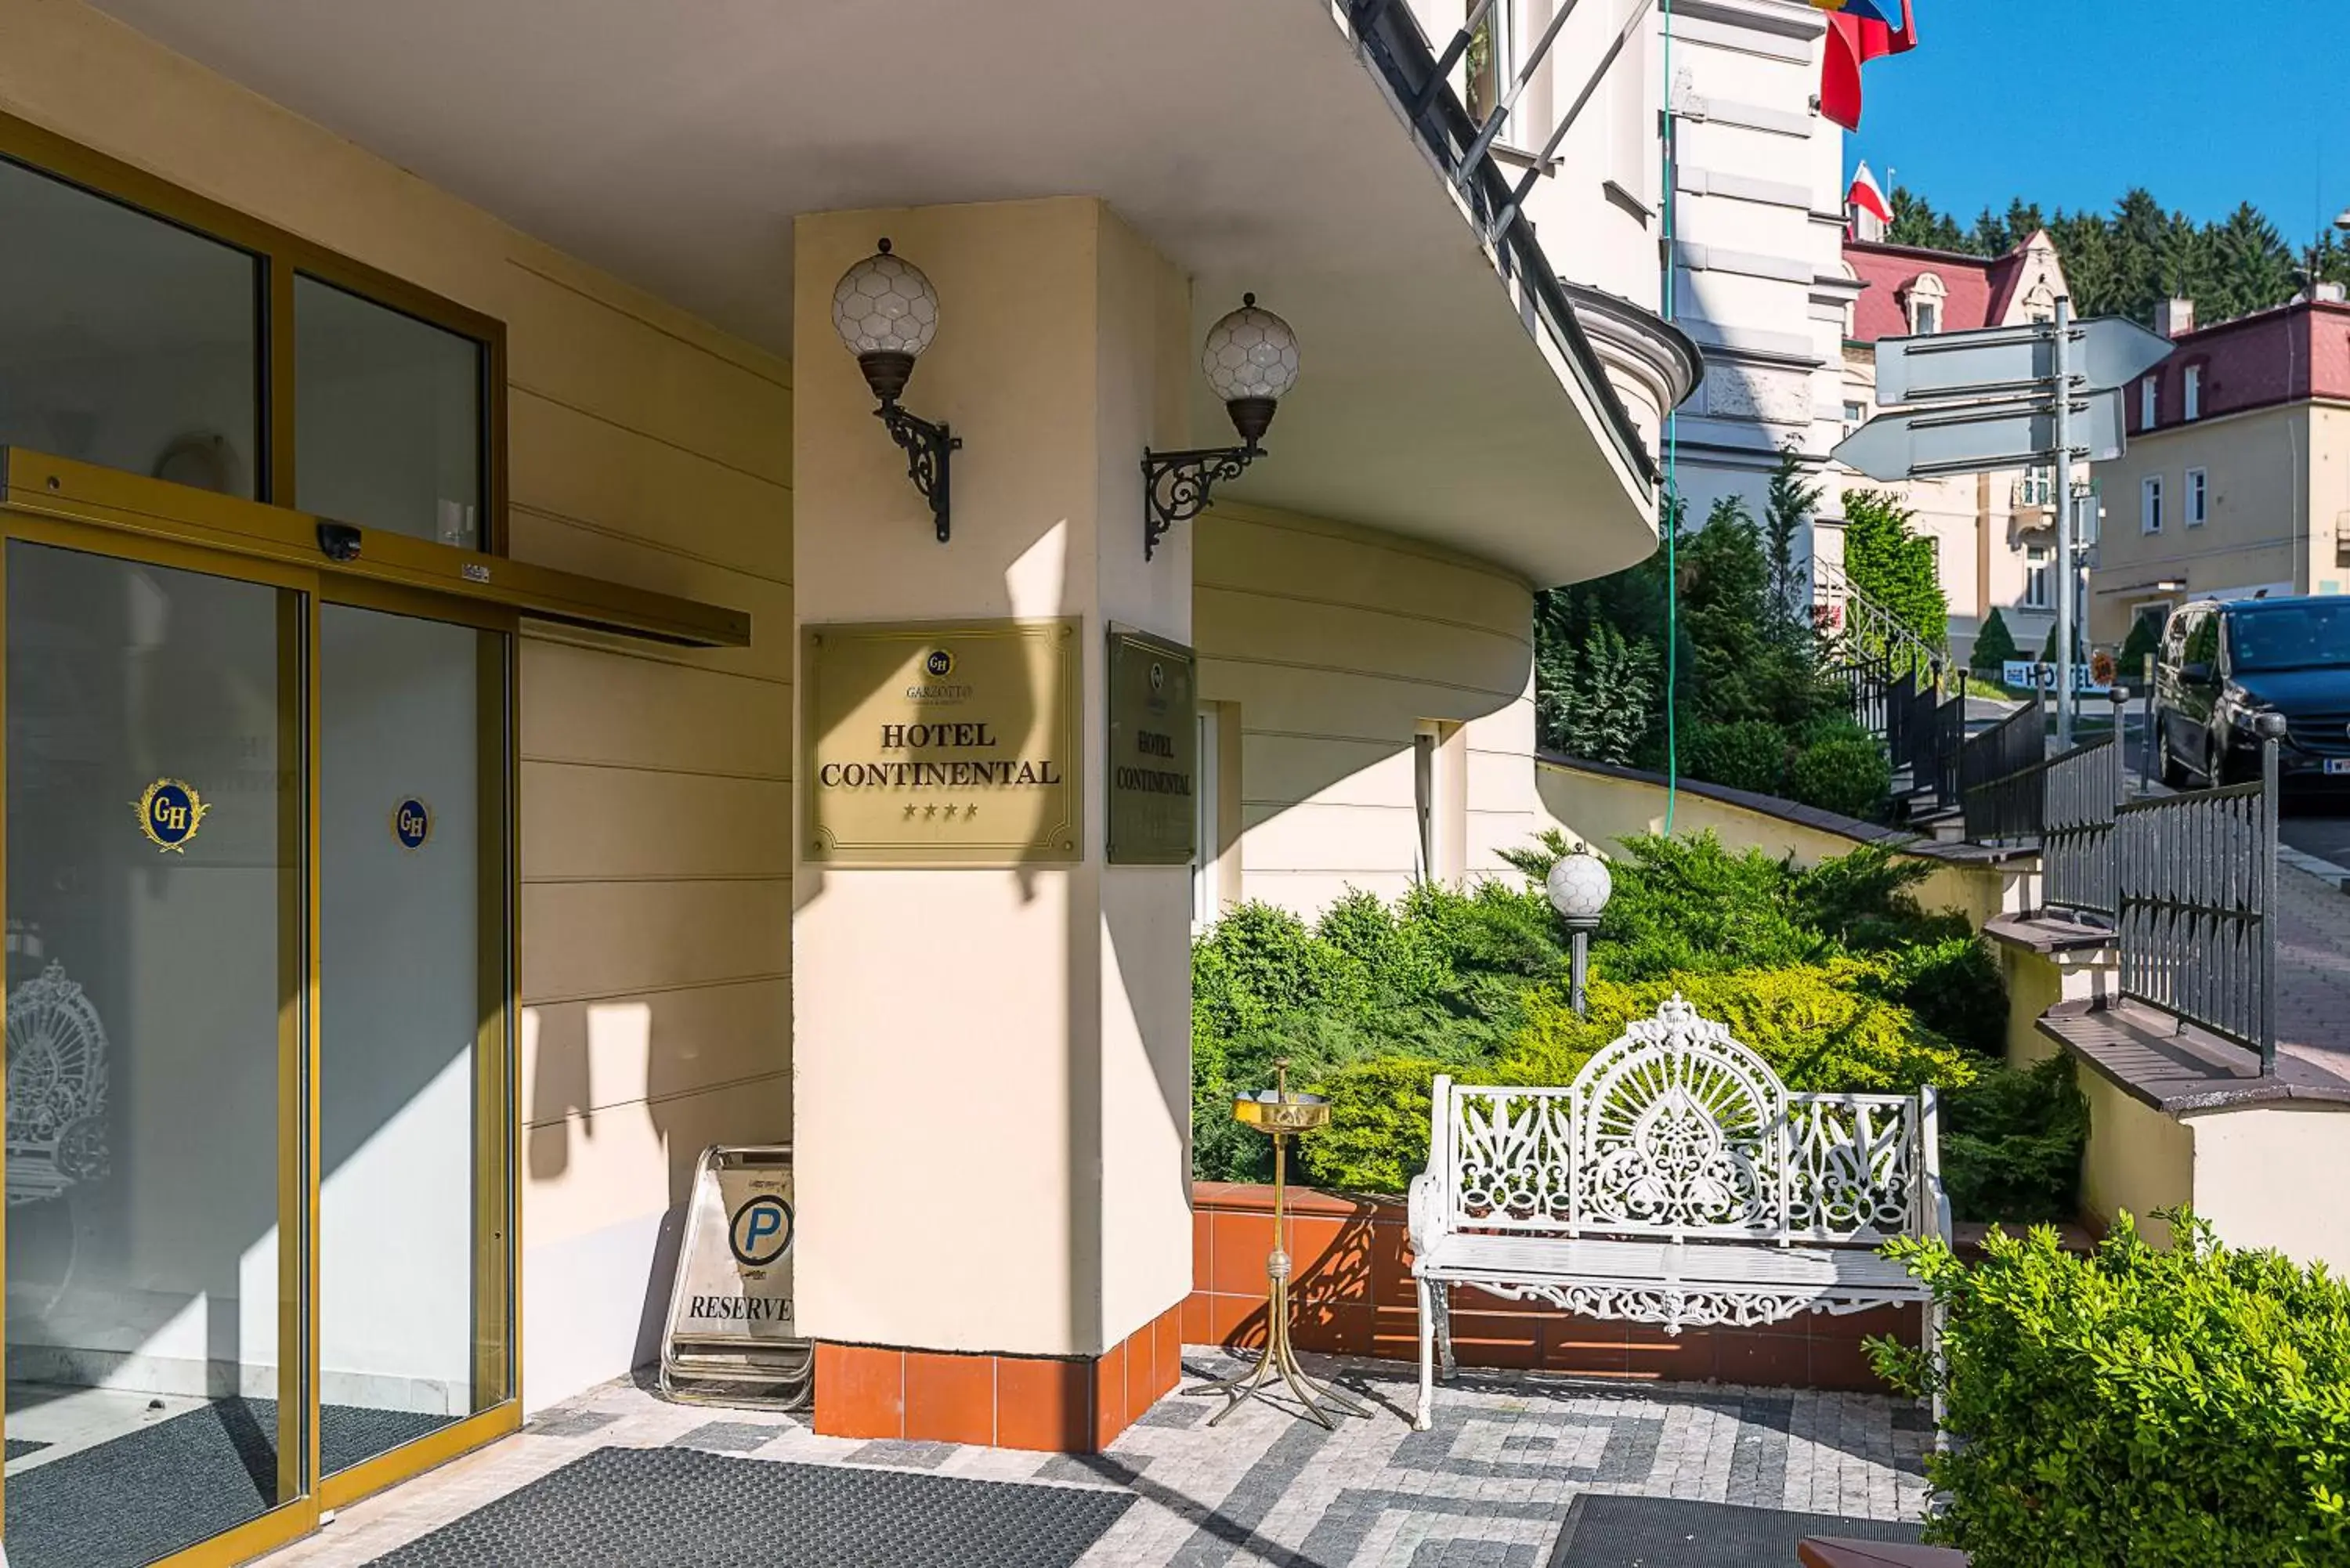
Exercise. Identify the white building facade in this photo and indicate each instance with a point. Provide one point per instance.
(1758, 225)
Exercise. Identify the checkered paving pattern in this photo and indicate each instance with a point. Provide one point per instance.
(1487, 1489)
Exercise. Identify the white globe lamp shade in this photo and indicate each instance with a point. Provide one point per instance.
(1579, 887)
(1251, 361)
(886, 313)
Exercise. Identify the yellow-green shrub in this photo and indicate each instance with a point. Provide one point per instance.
(2138, 1408)
(1817, 1024)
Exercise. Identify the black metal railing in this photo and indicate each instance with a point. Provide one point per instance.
(2197, 888)
(1395, 46)
(1867, 688)
(1949, 743)
(1998, 783)
(2081, 793)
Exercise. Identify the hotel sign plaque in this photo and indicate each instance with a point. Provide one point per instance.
(1154, 742)
(942, 743)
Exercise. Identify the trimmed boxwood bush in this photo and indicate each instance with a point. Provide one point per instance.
(1751, 754)
(1846, 773)
(2137, 1407)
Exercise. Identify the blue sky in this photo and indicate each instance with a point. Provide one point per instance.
(2205, 103)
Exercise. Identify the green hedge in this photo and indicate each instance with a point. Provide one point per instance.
(2140, 1407)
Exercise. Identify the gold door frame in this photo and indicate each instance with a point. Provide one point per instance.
(74, 506)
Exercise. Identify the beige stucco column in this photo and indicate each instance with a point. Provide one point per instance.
(991, 1066)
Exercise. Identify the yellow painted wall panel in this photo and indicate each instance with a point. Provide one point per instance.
(1345, 840)
(592, 823)
(604, 940)
(585, 1172)
(603, 476)
(590, 705)
(1279, 770)
(1476, 669)
(578, 350)
(593, 1057)
(1316, 560)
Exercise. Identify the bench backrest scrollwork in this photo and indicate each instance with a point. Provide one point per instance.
(1678, 1130)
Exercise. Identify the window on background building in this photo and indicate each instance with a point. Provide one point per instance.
(2198, 498)
(1632, 163)
(1205, 785)
(2191, 394)
(2149, 392)
(1855, 416)
(1492, 63)
(1926, 295)
(2149, 503)
(129, 342)
(2038, 571)
(2038, 488)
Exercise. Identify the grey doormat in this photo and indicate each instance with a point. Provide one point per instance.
(152, 1491)
(679, 1507)
(1663, 1532)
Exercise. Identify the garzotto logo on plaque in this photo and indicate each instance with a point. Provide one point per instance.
(169, 812)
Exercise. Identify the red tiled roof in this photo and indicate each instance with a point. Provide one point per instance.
(2285, 355)
(1978, 288)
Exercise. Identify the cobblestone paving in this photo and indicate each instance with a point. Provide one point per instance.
(2313, 972)
(1487, 1489)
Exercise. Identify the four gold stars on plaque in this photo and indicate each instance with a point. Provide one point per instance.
(947, 811)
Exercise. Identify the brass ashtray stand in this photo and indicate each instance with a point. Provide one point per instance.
(1281, 1116)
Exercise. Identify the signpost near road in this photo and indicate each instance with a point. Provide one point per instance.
(2009, 397)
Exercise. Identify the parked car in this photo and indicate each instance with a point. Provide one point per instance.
(2226, 664)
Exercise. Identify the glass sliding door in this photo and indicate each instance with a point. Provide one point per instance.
(155, 1056)
(413, 1322)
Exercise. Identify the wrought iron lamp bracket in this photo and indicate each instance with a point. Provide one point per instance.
(1177, 485)
(928, 447)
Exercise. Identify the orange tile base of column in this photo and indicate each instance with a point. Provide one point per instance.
(1052, 1405)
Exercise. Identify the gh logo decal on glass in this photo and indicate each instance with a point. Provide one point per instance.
(412, 823)
(169, 812)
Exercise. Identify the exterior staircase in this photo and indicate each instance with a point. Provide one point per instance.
(1896, 682)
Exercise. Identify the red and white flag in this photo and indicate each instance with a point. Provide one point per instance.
(1867, 196)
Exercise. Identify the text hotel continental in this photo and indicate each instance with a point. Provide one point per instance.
(955, 775)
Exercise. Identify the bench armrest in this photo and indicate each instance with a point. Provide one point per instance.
(1937, 1207)
(1426, 1208)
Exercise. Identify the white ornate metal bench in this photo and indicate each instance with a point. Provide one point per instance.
(1676, 1182)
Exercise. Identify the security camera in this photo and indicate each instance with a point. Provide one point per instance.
(339, 541)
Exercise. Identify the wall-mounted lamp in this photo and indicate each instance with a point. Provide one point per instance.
(1251, 361)
(887, 313)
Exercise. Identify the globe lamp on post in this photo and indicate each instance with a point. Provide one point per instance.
(1579, 887)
